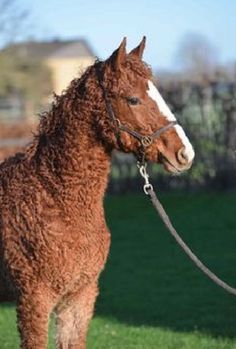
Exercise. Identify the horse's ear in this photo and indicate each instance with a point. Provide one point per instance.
(118, 56)
(138, 51)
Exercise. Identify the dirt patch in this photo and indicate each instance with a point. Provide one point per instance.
(16, 132)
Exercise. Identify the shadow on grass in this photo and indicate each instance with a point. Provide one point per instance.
(149, 281)
(8, 305)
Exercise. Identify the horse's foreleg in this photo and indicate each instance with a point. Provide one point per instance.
(33, 311)
(73, 319)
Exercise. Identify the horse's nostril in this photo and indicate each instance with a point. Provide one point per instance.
(182, 156)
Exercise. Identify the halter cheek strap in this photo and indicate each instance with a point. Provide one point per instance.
(144, 140)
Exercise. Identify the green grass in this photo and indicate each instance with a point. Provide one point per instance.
(152, 296)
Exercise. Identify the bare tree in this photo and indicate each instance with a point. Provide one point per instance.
(197, 55)
(13, 19)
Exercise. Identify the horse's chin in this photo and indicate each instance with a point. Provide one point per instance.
(173, 167)
(169, 167)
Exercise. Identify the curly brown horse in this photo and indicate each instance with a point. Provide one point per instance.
(54, 240)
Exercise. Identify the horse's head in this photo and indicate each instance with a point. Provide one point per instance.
(136, 109)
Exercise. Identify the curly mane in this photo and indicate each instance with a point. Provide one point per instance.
(83, 94)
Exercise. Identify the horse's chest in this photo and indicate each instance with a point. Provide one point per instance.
(92, 250)
(80, 255)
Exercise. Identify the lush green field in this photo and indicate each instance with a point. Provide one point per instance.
(152, 297)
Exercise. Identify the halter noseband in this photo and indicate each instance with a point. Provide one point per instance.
(145, 140)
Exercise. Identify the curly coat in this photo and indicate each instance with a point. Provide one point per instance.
(53, 236)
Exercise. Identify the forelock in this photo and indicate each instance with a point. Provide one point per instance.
(138, 67)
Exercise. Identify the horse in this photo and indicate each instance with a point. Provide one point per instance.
(54, 240)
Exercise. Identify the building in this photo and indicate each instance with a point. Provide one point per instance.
(65, 60)
(68, 62)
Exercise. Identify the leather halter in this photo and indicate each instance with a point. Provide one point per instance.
(145, 140)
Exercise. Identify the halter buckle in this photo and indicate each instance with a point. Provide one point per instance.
(146, 141)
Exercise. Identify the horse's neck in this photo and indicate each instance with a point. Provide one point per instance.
(79, 162)
(88, 167)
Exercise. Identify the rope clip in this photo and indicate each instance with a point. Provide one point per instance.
(143, 172)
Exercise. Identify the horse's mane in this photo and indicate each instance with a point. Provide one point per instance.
(80, 89)
(63, 105)
(82, 97)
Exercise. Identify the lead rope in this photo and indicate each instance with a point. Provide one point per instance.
(149, 191)
(145, 142)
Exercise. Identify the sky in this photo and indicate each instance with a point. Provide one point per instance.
(104, 23)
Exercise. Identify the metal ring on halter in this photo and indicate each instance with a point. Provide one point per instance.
(147, 187)
(146, 141)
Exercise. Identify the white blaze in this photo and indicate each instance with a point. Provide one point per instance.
(165, 110)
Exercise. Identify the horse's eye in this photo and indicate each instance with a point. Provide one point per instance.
(133, 100)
